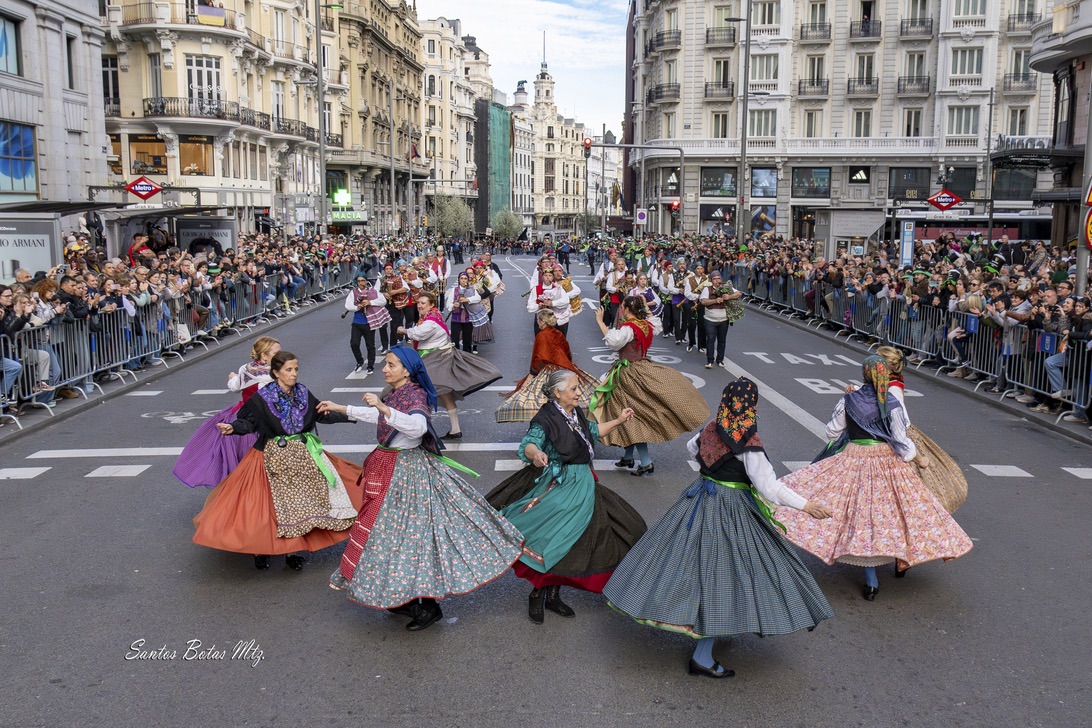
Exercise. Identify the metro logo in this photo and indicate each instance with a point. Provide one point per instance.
(143, 188)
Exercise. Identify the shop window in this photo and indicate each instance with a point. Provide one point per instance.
(195, 154)
(147, 154)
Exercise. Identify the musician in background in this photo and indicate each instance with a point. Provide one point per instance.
(616, 288)
(691, 308)
(663, 280)
(547, 295)
(457, 302)
(715, 297)
(369, 315)
(397, 293)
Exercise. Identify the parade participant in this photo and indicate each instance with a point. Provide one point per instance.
(441, 269)
(494, 281)
(882, 512)
(666, 402)
(715, 299)
(646, 262)
(287, 495)
(601, 275)
(423, 533)
(666, 284)
(369, 315)
(481, 278)
(643, 289)
(575, 530)
(455, 373)
(692, 309)
(396, 291)
(616, 288)
(575, 304)
(715, 564)
(547, 295)
(463, 305)
(551, 352)
(208, 457)
(678, 303)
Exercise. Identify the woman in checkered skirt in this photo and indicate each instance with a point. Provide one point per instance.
(715, 564)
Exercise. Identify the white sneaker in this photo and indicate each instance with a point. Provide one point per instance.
(1073, 418)
(1061, 393)
(709, 366)
(1025, 399)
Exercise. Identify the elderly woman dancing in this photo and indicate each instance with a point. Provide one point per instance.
(576, 530)
(422, 533)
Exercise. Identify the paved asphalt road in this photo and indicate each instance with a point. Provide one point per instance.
(97, 556)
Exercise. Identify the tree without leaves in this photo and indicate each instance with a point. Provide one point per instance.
(507, 225)
(452, 215)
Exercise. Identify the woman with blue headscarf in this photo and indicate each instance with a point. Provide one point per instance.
(423, 533)
(881, 510)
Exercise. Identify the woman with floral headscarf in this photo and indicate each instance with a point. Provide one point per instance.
(715, 564)
(881, 510)
(422, 533)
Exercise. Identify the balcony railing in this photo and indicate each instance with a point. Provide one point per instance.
(207, 15)
(138, 14)
(813, 87)
(333, 140)
(914, 84)
(863, 87)
(1021, 82)
(720, 90)
(720, 36)
(916, 28)
(1022, 22)
(669, 39)
(257, 119)
(664, 92)
(192, 108)
(865, 29)
(112, 106)
(815, 32)
(288, 127)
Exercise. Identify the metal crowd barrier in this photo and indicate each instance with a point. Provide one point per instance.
(112, 345)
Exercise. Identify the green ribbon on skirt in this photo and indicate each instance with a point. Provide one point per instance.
(314, 449)
(868, 441)
(608, 386)
(442, 458)
(764, 508)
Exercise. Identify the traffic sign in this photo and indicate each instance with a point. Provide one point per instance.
(1088, 194)
(945, 200)
(906, 246)
(143, 187)
(640, 217)
(1088, 228)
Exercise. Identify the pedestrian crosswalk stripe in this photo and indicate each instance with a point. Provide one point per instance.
(1082, 473)
(1002, 471)
(144, 393)
(117, 471)
(211, 391)
(362, 374)
(21, 473)
(502, 466)
(377, 390)
(106, 452)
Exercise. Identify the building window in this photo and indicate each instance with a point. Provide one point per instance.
(671, 20)
(763, 182)
(548, 185)
(277, 95)
(917, 9)
(111, 90)
(155, 76)
(671, 74)
(969, 7)
(963, 120)
(115, 155)
(811, 182)
(911, 183)
(911, 122)
(432, 47)
(721, 15)
(195, 154)
(862, 123)
(225, 162)
(718, 182)
(915, 65)
(766, 12)
(237, 160)
(254, 161)
(764, 67)
(431, 85)
(10, 46)
(763, 123)
(720, 126)
(722, 71)
(817, 68)
(203, 78)
(817, 13)
(669, 125)
(813, 124)
(1021, 62)
(866, 67)
(966, 61)
(1018, 122)
(147, 154)
(18, 163)
(70, 59)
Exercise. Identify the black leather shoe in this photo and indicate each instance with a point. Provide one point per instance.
(870, 593)
(554, 603)
(406, 610)
(261, 562)
(536, 603)
(901, 574)
(623, 463)
(294, 562)
(717, 671)
(452, 436)
(428, 613)
(650, 468)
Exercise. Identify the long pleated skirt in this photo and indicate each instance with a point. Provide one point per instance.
(454, 371)
(209, 457)
(665, 402)
(527, 399)
(714, 566)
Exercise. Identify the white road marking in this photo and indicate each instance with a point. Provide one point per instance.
(117, 471)
(377, 390)
(1002, 471)
(363, 374)
(21, 473)
(503, 466)
(211, 391)
(693, 465)
(144, 393)
(1082, 473)
(107, 452)
(793, 410)
(448, 447)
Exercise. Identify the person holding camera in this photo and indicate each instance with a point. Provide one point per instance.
(369, 314)
(713, 298)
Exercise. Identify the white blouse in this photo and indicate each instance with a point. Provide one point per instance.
(411, 428)
(618, 338)
(899, 422)
(243, 379)
(428, 335)
(449, 298)
(762, 476)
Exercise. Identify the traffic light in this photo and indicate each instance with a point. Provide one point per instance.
(587, 147)
(675, 208)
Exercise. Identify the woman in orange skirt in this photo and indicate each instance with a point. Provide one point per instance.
(287, 495)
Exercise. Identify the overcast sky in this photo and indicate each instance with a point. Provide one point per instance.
(585, 49)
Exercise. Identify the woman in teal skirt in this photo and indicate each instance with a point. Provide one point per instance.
(715, 564)
(576, 530)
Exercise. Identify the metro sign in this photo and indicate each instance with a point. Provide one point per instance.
(143, 187)
(945, 200)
